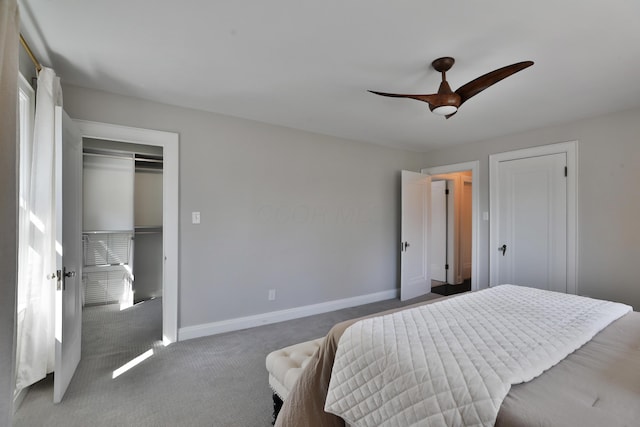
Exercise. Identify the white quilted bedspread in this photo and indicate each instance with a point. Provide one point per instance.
(452, 363)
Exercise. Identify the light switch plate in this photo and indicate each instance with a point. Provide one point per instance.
(195, 217)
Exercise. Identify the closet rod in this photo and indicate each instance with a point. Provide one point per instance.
(144, 159)
(103, 266)
(33, 58)
(109, 232)
(111, 156)
(130, 156)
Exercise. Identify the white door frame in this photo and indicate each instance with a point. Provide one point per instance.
(571, 150)
(474, 167)
(170, 206)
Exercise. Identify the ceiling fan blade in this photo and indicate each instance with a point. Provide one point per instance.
(429, 99)
(476, 86)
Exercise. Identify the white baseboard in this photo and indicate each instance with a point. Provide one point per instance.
(238, 323)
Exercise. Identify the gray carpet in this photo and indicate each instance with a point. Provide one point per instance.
(212, 381)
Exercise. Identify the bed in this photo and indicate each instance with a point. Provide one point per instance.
(596, 385)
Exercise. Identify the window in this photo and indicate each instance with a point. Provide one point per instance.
(26, 115)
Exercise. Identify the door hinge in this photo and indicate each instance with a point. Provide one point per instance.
(446, 191)
(565, 171)
(446, 266)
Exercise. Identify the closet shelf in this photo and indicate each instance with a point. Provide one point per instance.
(148, 229)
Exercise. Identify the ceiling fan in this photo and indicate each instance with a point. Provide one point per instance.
(446, 102)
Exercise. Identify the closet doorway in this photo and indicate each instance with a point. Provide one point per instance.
(122, 223)
(168, 142)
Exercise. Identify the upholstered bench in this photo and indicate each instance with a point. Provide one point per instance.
(284, 367)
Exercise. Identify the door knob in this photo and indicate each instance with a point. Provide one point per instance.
(503, 248)
(62, 285)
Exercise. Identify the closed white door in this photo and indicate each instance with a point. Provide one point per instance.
(68, 309)
(415, 278)
(531, 222)
(438, 235)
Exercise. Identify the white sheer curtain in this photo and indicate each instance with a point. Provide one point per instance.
(36, 259)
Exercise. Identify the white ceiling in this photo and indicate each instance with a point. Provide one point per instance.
(308, 64)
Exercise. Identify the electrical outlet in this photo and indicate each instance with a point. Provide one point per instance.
(272, 294)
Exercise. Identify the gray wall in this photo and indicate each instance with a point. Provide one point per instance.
(608, 201)
(312, 216)
(8, 255)
(8, 207)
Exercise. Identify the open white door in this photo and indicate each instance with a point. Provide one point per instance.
(415, 277)
(68, 193)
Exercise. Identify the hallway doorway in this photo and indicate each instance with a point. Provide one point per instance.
(454, 216)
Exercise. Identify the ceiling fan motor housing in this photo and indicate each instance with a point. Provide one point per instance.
(445, 97)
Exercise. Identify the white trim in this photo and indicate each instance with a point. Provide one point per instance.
(169, 141)
(23, 84)
(474, 167)
(238, 323)
(571, 150)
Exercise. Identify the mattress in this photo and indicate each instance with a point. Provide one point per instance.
(598, 384)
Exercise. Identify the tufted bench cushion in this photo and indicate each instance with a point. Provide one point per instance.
(285, 365)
